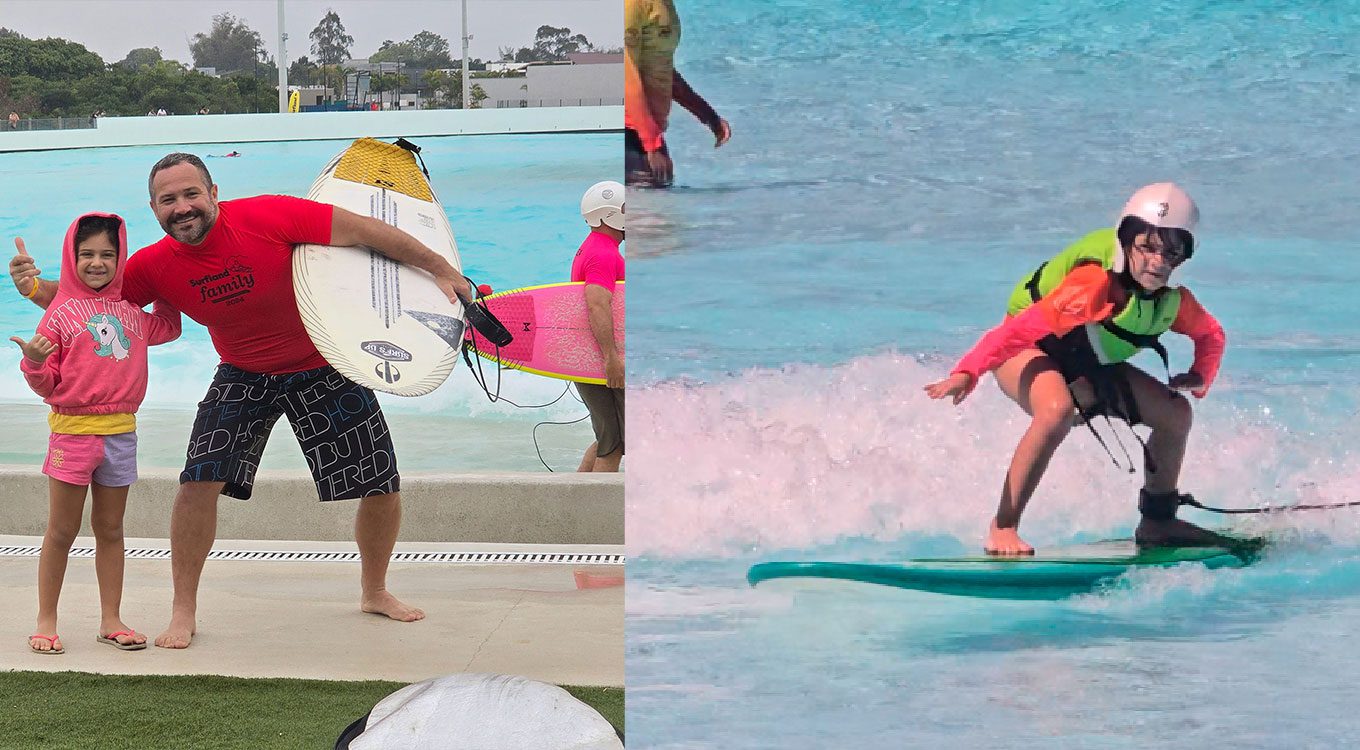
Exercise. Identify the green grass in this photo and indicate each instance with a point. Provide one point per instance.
(75, 710)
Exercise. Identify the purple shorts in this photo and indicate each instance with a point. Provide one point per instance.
(110, 460)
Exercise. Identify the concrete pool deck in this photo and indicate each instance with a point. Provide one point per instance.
(302, 619)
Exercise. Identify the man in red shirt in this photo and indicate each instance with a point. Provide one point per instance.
(228, 266)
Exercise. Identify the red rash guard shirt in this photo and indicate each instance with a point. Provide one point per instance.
(239, 281)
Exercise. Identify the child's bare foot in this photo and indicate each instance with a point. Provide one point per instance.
(1005, 542)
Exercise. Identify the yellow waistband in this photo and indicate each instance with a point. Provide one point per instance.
(92, 424)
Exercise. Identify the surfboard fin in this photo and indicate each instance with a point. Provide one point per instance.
(1247, 548)
(446, 327)
(450, 329)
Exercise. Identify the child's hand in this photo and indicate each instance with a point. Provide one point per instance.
(37, 350)
(958, 385)
(22, 270)
(1188, 381)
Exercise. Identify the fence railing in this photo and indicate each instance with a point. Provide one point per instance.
(47, 123)
(597, 102)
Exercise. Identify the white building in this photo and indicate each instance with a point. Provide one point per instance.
(586, 79)
(503, 67)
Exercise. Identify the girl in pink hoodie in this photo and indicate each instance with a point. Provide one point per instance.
(88, 361)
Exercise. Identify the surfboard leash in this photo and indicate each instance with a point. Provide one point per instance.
(497, 342)
(1192, 502)
(480, 376)
(413, 148)
(539, 450)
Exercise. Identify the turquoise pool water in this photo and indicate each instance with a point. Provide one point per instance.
(512, 201)
(895, 169)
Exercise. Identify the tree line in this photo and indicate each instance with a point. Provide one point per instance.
(60, 78)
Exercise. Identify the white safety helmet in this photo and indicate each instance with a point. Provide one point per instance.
(603, 204)
(1161, 204)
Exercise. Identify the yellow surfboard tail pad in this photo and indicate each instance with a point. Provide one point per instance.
(384, 165)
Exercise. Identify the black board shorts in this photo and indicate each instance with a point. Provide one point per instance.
(339, 425)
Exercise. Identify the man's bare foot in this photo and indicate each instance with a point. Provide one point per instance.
(1005, 541)
(383, 603)
(179, 634)
(1178, 533)
(116, 626)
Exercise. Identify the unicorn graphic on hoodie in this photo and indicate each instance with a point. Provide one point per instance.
(110, 341)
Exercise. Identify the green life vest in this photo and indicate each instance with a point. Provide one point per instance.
(1134, 327)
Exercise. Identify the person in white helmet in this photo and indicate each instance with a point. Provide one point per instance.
(1060, 354)
(599, 264)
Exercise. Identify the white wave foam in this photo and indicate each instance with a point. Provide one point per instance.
(807, 455)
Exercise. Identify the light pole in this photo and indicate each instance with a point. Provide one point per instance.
(283, 65)
(466, 37)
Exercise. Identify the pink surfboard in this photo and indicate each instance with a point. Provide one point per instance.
(552, 332)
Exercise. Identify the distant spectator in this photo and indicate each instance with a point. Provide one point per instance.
(160, 112)
(203, 110)
(13, 120)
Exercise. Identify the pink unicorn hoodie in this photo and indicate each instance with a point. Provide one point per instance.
(99, 366)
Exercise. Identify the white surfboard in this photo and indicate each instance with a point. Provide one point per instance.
(381, 324)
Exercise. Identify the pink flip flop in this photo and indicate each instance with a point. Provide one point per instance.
(51, 640)
(112, 640)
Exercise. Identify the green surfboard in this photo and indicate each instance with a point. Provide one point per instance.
(1054, 574)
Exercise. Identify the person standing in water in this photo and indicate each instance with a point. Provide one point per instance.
(651, 32)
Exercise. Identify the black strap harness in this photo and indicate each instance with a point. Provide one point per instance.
(1076, 358)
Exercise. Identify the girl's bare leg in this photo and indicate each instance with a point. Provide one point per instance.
(106, 517)
(66, 502)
